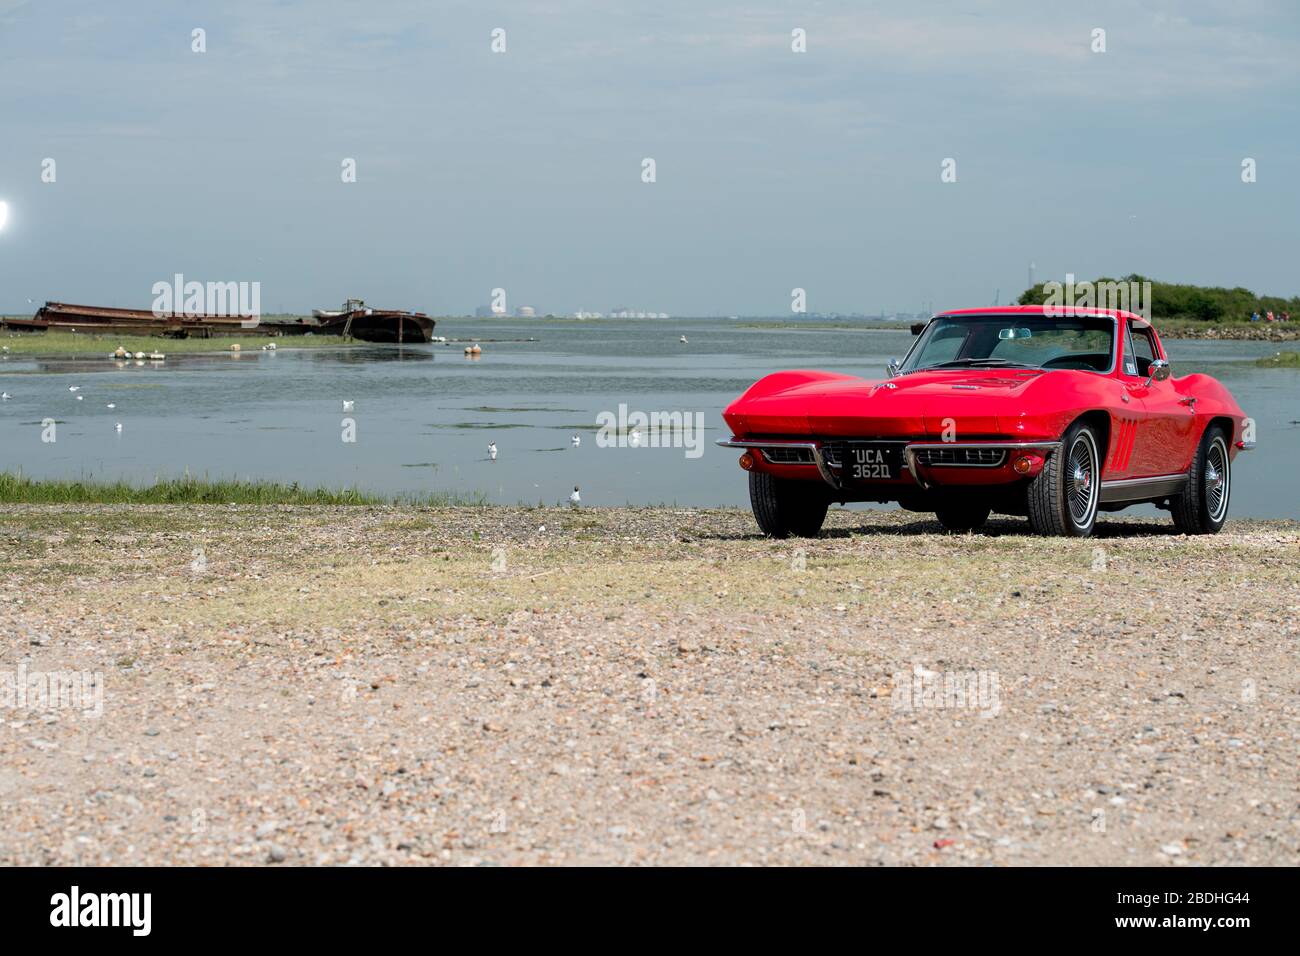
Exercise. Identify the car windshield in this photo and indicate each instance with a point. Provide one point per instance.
(1014, 341)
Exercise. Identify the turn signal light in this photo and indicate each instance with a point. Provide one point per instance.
(1029, 464)
(747, 461)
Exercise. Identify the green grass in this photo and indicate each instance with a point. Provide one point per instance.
(1280, 360)
(95, 345)
(19, 489)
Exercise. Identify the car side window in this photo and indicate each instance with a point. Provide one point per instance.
(1144, 350)
(1130, 356)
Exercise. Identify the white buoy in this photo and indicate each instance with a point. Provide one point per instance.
(80, 398)
(111, 405)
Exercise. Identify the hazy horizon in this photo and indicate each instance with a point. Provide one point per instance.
(522, 170)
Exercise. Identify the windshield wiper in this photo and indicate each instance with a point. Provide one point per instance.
(972, 362)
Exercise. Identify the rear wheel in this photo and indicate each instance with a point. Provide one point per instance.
(962, 515)
(1203, 507)
(784, 508)
(1063, 496)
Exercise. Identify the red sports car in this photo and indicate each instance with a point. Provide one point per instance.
(1054, 414)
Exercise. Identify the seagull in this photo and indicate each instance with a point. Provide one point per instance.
(111, 405)
(80, 398)
(634, 439)
(74, 388)
(5, 396)
(575, 499)
(576, 440)
(347, 405)
(683, 340)
(118, 426)
(492, 450)
(541, 529)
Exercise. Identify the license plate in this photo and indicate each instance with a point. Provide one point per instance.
(873, 461)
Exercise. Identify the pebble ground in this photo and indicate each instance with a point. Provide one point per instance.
(323, 686)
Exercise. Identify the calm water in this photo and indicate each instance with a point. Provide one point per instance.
(425, 415)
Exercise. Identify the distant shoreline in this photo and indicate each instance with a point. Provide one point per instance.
(51, 345)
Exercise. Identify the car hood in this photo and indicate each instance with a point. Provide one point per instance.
(918, 403)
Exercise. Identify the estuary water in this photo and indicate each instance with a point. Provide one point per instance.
(423, 416)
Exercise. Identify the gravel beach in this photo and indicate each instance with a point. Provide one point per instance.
(356, 685)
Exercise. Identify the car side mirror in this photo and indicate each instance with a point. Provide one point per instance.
(1159, 371)
(893, 367)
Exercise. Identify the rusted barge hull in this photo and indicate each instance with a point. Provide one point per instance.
(65, 317)
(379, 325)
(367, 325)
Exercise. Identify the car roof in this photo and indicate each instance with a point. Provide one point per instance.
(1057, 311)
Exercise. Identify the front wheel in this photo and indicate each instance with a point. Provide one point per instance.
(1063, 496)
(1203, 507)
(784, 508)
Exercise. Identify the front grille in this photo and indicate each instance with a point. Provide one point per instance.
(787, 456)
(961, 457)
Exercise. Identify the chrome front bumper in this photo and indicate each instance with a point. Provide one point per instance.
(909, 453)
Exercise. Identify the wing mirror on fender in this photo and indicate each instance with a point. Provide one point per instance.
(893, 367)
(1158, 372)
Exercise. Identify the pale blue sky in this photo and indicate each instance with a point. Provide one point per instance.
(522, 170)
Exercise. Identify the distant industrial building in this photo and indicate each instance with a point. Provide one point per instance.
(623, 312)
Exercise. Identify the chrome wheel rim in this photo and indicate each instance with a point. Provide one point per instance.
(1082, 480)
(1218, 475)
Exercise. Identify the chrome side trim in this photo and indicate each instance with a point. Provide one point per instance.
(909, 453)
(1246, 445)
(765, 443)
(1138, 489)
(819, 459)
(824, 469)
(909, 456)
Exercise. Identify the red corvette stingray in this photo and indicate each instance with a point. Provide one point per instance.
(1053, 414)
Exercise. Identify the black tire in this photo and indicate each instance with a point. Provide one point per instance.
(962, 515)
(1063, 497)
(784, 508)
(1203, 507)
